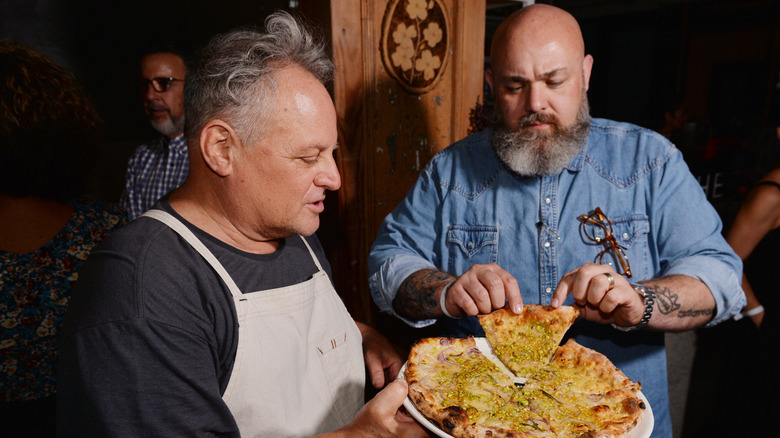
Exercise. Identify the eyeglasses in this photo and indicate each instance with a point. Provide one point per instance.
(159, 85)
(597, 227)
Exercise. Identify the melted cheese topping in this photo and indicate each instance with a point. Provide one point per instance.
(532, 345)
(561, 398)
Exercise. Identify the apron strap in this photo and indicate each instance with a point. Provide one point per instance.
(313, 256)
(176, 225)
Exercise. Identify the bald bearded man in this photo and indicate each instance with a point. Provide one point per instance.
(552, 207)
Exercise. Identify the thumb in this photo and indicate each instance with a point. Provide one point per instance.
(392, 397)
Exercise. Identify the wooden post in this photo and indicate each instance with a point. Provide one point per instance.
(408, 74)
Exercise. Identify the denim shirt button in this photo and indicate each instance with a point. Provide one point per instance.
(546, 244)
(547, 200)
(470, 245)
(625, 235)
(548, 289)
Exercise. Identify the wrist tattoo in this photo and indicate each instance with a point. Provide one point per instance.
(415, 297)
(693, 313)
(667, 302)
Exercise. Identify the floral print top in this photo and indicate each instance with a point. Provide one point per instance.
(34, 293)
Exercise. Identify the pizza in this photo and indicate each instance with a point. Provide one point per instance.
(524, 341)
(538, 389)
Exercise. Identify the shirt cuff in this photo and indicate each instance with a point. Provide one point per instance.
(385, 283)
(720, 278)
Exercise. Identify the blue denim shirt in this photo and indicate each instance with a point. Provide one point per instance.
(467, 208)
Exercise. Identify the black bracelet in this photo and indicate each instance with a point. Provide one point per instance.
(648, 295)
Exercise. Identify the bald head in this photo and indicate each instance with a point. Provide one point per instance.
(538, 26)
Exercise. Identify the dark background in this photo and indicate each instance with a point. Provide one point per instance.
(101, 41)
(645, 52)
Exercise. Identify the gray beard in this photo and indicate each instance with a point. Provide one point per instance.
(532, 153)
(169, 127)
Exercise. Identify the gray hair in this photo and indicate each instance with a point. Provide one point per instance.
(233, 79)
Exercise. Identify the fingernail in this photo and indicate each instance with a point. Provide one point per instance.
(554, 302)
(518, 308)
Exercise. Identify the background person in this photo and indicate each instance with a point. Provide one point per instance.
(743, 346)
(160, 165)
(509, 216)
(755, 237)
(215, 315)
(49, 133)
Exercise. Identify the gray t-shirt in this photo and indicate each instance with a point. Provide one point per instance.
(150, 337)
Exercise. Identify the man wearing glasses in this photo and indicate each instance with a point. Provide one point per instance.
(160, 165)
(552, 207)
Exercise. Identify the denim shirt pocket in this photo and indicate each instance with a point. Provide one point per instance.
(471, 245)
(629, 230)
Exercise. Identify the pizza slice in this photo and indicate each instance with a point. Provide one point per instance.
(524, 341)
(595, 392)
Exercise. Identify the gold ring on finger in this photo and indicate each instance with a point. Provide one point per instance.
(611, 280)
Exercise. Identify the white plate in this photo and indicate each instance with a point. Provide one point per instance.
(642, 430)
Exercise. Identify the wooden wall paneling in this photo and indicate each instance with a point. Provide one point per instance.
(351, 33)
(397, 106)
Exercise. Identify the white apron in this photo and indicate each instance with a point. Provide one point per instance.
(299, 365)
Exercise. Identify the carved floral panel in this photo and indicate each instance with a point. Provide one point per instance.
(415, 43)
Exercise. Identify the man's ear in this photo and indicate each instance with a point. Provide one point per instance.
(489, 79)
(218, 142)
(587, 68)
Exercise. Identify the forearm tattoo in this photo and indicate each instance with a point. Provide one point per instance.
(415, 298)
(667, 303)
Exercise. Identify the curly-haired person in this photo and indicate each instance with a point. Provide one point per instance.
(49, 133)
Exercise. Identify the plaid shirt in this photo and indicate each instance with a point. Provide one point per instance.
(155, 169)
